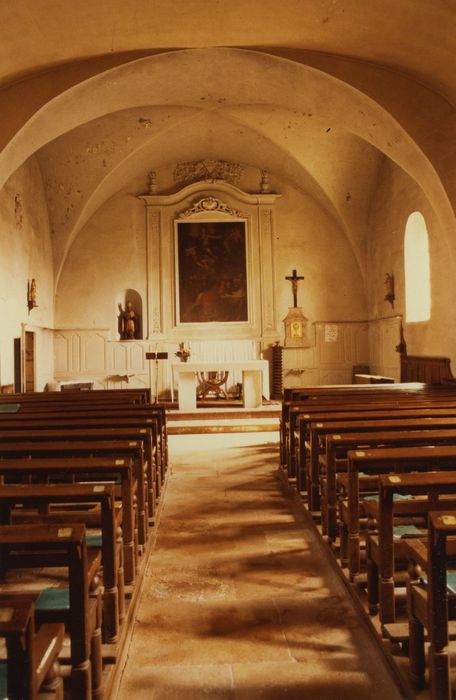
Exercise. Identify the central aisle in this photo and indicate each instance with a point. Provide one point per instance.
(239, 602)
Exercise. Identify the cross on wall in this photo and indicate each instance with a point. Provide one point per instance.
(294, 279)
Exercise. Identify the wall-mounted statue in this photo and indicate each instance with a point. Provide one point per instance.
(128, 322)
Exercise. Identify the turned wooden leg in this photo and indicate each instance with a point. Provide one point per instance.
(372, 584)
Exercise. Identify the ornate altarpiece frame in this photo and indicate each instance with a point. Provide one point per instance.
(217, 202)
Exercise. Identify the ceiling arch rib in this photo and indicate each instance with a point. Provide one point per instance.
(186, 138)
(268, 81)
(395, 33)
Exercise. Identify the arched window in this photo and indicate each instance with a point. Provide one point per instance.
(417, 269)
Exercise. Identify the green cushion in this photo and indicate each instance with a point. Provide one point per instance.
(3, 682)
(451, 581)
(9, 407)
(406, 531)
(94, 541)
(53, 599)
(396, 497)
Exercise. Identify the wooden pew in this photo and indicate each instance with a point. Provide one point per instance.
(82, 422)
(125, 395)
(32, 662)
(38, 495)
(360, 412)
(63, 546)
(42, 433)
(339, 444)
(78, 420)
(389, 421)
(105, 408)
(374, 462)
(139, 416)
(333, 410)
(82, 468)
(432, 606)
(382, 549)
(341, 394)
(347, 393)
(121, 449)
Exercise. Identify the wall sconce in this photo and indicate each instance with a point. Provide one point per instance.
(389, 289)
(31, 294)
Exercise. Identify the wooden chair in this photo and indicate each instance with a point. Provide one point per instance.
(384, 551)
(43, 545)
(212, 384)
(372, 463)
(80, 469)
(32, 657)
(43, 497)
(432, 605)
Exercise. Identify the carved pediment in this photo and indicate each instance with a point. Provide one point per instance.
(210, 204)
(208, 169)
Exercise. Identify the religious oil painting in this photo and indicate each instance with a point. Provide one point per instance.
(212, 272)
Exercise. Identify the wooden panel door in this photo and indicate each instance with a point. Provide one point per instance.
(29, 361)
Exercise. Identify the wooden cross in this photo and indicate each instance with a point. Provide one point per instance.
(294, 279)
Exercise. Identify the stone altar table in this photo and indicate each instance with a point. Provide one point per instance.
(255, 380)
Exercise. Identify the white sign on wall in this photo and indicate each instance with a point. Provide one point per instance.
(331, 333)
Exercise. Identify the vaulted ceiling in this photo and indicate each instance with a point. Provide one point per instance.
(416, 38)
(317, 91)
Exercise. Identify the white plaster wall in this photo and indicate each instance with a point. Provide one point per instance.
(25, 252)
(108, 257)
(310, 240)
(397, 196)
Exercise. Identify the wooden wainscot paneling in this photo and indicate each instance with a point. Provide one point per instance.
(76, 353)
(137, 359)
(359, 344)
(94, 352)
(335, 376)
(330, 339)
(119, 354)
(61, 353)
(341, 345)
(384, 337)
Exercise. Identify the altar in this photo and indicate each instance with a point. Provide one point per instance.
(255, 380)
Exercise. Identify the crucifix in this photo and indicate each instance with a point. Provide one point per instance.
(294, 279)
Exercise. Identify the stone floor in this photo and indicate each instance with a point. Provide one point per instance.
(239, 601)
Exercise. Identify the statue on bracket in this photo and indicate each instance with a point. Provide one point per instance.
(295, 321)
(128, 322)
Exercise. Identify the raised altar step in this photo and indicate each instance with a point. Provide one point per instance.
(224, 420)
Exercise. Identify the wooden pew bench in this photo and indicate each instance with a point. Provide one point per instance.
(354, 397)
(140, 417)
(425, 492)
(359, 412)
(63, 547)
(34, 433)
(32, 657)
(103, 469)
(338, 396)
(120, 449)
(432, 606)
(319, 431)
(60, 495)
(339, 444)
(374, 462)
(146, 428)
(112, 396)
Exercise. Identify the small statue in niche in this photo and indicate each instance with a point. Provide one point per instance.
(31, 295)
(129, 322)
